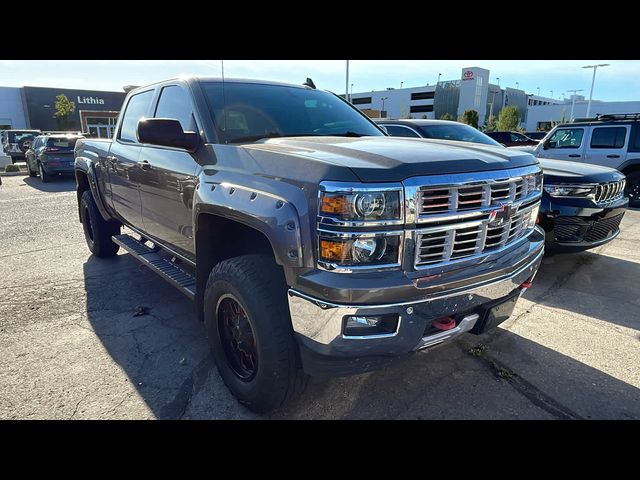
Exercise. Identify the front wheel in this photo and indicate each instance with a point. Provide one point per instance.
(250, 334)
(97, 231)
(632, 189)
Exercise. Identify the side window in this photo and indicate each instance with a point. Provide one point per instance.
(516, 137)
(397, 131)
(566, 138)
(136, 109)
(608, 137)
(634, 141)
(175, 103)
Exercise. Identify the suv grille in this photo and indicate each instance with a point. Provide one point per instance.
(441, 244)
(609, 192)
(449, 200)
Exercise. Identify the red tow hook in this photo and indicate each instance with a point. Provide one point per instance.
(444, 323)
(526, 284)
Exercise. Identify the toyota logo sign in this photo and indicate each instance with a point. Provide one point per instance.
(467, 75)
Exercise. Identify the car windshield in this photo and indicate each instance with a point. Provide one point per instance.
(251, 111)
(459, 132)
(62, 143)
(16, 136)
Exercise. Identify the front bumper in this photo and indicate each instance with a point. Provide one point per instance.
(576, 227)
(318, 324)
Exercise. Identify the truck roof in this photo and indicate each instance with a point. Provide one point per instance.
(199, 79)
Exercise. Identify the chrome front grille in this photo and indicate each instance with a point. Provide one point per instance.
(609, 192)
(436, 201)
(435, 245)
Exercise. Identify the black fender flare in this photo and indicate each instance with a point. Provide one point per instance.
(87, 167)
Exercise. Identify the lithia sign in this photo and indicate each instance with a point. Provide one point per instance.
(90, 100)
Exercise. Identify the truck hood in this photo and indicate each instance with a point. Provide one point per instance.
(561, 171)
(385, 159)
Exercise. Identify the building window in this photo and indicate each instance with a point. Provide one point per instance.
(361, 100)
(422, 95)
(421, 108)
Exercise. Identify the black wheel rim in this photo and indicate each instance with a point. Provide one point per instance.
(634, 190)
(237, 338)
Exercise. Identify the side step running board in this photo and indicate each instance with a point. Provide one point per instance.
(184, 281)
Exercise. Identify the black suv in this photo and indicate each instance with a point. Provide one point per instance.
(582, 205)
(51, 155)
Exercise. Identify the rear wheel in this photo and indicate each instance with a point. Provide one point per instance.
(250, 334)
(632, 189)
(32, 173)
(44, 176)
(97, 231)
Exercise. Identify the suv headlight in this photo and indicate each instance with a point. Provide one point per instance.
(571, 190)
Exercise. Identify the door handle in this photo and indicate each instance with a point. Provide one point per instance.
(573, 155)
(613, 156)
(144, 164)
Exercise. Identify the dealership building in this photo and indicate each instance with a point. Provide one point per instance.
(94, 111)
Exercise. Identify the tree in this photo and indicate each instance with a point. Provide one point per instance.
(470, 117)
(509, 119)
(64, 108)
(491, 124)
(447, 116)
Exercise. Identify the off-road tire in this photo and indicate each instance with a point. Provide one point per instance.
(44, 176)
(97, 231)
(258, 284)
(632, 189)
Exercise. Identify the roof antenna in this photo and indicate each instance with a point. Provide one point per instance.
(309, 83)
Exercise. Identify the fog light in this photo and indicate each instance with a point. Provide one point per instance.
(359, 326)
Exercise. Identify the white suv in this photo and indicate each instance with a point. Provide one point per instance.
(607, 140)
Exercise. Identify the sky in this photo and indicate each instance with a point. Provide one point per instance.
(618, 82)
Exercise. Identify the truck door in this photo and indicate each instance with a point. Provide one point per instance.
(608, 145)
(564, 144)
(167, 178)
(122, 161)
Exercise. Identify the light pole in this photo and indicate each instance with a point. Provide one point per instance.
(438, 79)
(573, 102)
(551, 94)
(346, 85)
(351, 95)
(382, 111)
(401, 84)
(538, 90)
(593, 80)
(517, 86)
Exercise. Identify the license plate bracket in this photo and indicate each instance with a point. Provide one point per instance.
(493, 314)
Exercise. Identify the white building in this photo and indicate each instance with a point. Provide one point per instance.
(11, 109)
(416, 102)
(543, 117)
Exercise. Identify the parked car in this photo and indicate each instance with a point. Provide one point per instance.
(582, 205)
(536, 135)
(16, 142)
(310, 241)
(607, 140)
(51, 155)
(511, 139)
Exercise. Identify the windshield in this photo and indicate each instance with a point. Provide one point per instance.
(250, 111)
(62, 143)
(16, 136)
(460, 133)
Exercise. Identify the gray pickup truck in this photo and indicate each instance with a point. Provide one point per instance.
(310, 241)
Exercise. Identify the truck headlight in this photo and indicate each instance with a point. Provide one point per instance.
(570, 190)
(361, 205)
(353, 250)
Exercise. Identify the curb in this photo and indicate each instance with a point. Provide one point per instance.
(13, 174)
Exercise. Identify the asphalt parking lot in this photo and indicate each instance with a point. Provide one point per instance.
(73, 344)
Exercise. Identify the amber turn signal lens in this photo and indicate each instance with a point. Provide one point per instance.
(334, 204)
(336, 251)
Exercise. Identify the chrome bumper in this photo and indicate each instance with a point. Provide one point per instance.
(319, 324)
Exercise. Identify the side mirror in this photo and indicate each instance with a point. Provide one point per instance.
(166, 132)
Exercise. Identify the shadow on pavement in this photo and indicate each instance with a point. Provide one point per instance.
(57, 184)
(164, 353)
(590, 284)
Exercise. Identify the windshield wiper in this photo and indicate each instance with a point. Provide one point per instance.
(348, 133)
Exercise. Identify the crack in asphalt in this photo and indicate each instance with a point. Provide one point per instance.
(75, 410)
(177, 407)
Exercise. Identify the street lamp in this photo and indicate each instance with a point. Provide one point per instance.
(382, 111)
(551, 91)
(517, 86)
(573, 103)
(438, 78)
(538, 90)
(593, 80)
(351, 96)
(401, 84)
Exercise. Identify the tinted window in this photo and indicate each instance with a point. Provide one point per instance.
(398, 131)
(246, 112)
(422, 95)
(361, 101)
(421, 108)
(175, 103)
(566, 138)
(608, 137)
(458, 132)
(634, 141)
(498, 136)
(518, 137)
(137, 108)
